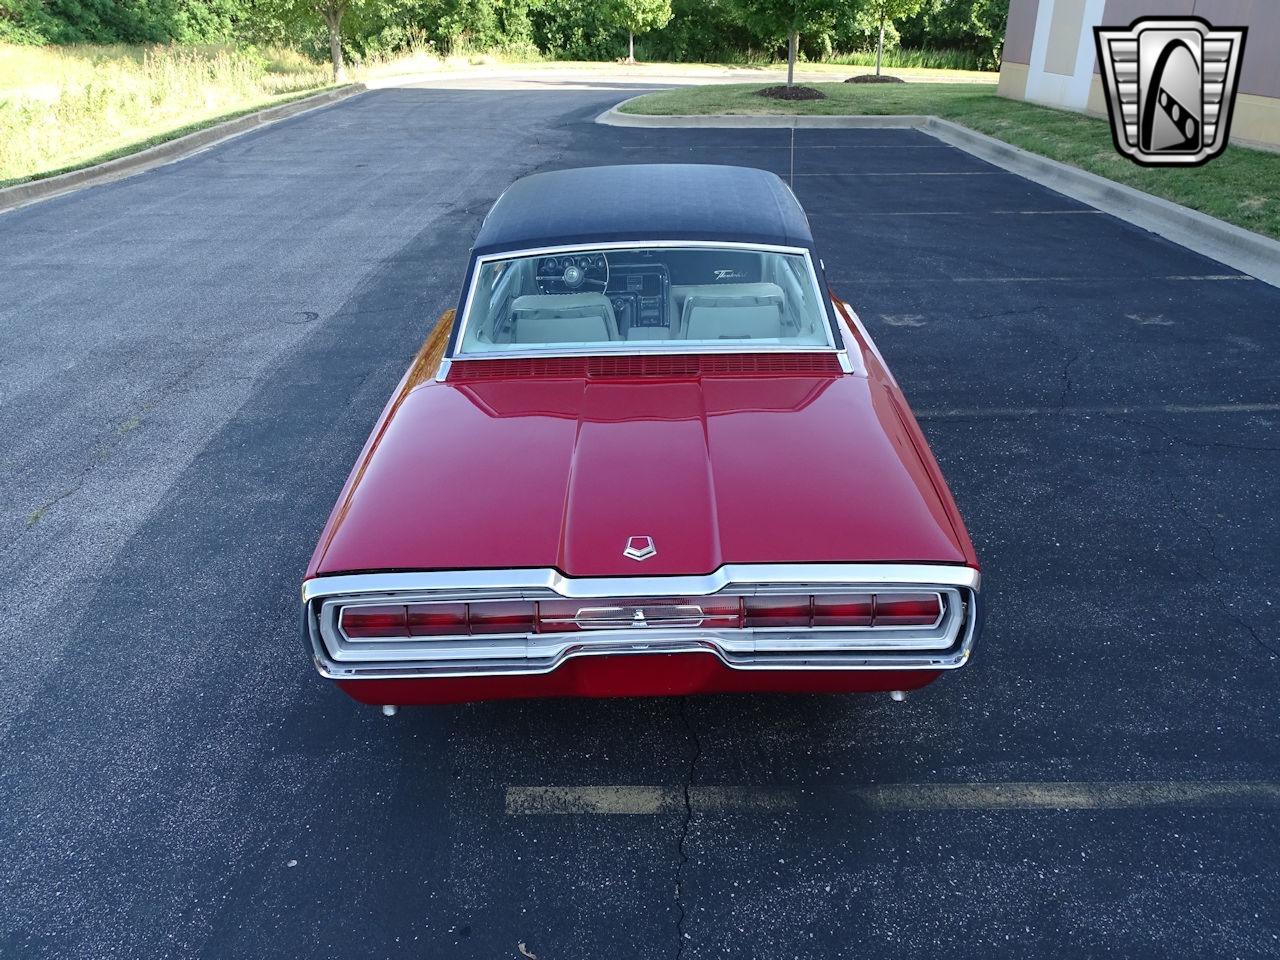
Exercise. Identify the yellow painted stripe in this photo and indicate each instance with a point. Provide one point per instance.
(649, 800)
(644, 800)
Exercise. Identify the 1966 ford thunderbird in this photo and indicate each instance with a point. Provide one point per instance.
(646, 455)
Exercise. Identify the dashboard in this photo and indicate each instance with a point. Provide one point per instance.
(638, 291)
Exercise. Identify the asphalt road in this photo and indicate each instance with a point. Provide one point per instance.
(190, 361)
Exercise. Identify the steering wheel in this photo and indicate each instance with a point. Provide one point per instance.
(573, 272)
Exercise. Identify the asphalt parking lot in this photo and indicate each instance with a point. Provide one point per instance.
(190, 361)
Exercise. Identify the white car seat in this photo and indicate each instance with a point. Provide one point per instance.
(563, 318)
(746, 311)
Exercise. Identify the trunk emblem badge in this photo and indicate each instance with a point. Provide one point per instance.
(640, 548)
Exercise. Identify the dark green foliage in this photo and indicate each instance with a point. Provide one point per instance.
(25, 21)
(725, 31)
(120, 21)
(575, 30)
(706, 31)
(976, 25)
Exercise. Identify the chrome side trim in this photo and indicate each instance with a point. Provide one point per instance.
(866, 336)
(629, 349)
(945, 646)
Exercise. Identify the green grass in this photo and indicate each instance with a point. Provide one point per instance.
(1242, 186)
(62, 108)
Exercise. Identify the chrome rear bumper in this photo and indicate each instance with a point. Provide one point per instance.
(944, 646)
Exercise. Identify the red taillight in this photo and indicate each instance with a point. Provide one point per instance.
(777, 611)
(843, 610)
(907, 609)
(513, 617)
(437, 619)
(380, 621)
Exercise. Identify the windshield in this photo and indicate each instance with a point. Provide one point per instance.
(645, 298)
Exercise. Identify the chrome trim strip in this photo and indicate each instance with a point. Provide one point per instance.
(628, 349)
(703, 347)
(763, 577)
(945, 647)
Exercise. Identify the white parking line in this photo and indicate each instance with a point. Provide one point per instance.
(1000, 413)
(1092, 281)
(978, 213)
(914, 173)
(621, 800)
(850, 148)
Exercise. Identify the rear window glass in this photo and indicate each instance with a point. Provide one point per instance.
(645, 297)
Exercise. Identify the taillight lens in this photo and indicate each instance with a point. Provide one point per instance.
(907, 609)
(843, 610)
(777, 611)
(374, 622)
(514, 617)
(437, 619)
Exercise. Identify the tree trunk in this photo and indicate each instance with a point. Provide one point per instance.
(793, 42)
(333, 17)
(880, 45)
(631, 47)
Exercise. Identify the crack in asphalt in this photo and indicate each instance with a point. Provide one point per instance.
(1212, 544)
(1067, 384)
(112, 438)
(1210, 444)
(681, 935)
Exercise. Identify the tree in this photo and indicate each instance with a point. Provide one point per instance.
(333, 11)
(640, 16)
(284, 16)
(772, 20)
(890, 10)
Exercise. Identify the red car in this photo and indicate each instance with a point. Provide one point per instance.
(649, 456)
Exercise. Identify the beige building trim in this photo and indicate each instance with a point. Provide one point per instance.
(1097, 98)
(1256, 122)
(1013, 81)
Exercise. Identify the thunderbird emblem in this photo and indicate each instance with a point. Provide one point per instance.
(1171, 85)
(640, 548)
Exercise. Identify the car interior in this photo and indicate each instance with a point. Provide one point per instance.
(656, 294)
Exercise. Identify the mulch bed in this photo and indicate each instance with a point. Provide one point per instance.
(872, 78)
(791, 93)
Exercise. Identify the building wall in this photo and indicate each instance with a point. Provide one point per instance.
(1050, 58)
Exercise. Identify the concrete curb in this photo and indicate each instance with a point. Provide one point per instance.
(22, 194)
(614, 118)
(1234, 246)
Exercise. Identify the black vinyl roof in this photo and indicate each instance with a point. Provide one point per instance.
(679, 201)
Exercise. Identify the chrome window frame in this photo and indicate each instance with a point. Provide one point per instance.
(946, 646)
(639, 347)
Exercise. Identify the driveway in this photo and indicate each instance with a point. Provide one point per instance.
(190, 361)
